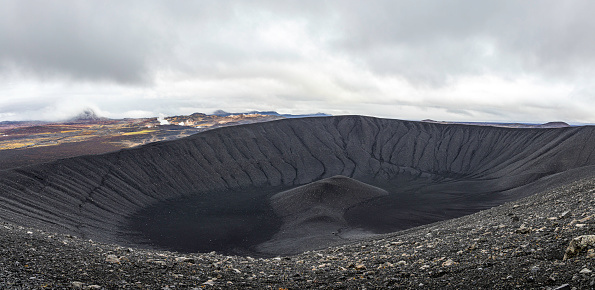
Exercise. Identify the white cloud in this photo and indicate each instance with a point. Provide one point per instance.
(456, 60)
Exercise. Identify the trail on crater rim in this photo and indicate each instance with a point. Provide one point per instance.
(430, 172)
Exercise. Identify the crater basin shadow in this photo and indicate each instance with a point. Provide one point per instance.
(231, 223)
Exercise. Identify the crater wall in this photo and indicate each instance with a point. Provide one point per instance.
(92, 196)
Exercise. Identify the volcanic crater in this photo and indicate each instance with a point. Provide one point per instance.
(288, 186)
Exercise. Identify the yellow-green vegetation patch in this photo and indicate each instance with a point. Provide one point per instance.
(15, 145)
(138, 132)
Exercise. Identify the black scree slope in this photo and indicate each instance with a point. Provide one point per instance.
(429, 172)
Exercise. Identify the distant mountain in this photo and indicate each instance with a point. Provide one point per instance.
(87, 115)
(555, 125)
(222, 113)
(506, 125)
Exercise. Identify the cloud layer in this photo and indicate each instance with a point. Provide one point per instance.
(455, 60)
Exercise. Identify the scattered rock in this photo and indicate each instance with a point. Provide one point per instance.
(112, 259)
(551, 279)
(472, 247)
(523, 229)
(578, 244)
(585, 219)
(534, 269)
(564, 214)
(184, 260)
(76, 284)
(585, 271)
(158, 262)
(562, 287)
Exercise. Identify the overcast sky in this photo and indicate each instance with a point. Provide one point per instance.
(524, 61)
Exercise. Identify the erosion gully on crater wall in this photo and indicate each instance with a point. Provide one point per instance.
(236, 189)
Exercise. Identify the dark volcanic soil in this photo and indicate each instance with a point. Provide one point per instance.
(396, 175)
(229, 223)
(515, 245)
(13, 158)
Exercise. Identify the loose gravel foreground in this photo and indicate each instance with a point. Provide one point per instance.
(515, 245)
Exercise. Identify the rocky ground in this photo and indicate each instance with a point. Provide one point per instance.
(516, 245)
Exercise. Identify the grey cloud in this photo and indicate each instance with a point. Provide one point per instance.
(459, 112)
(79, 39)
(128, 42)
(429, 41)
(426, 42)
(21, 107)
